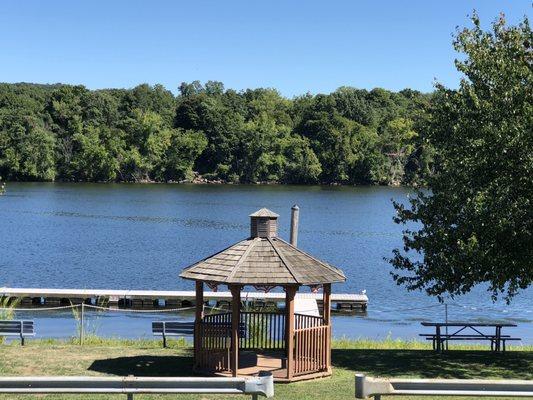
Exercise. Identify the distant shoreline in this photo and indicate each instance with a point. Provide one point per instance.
(213, 183)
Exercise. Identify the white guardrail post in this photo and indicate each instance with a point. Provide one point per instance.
(375, 387)
(262, 385)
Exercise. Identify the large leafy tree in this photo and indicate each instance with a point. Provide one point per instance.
(184, 148)
(222, 125)
(347, 150)
(301, 163)
(475, 223)
(26, 149)
(398, 144)
(93, 159)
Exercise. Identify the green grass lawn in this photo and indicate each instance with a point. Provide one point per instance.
(146, 358)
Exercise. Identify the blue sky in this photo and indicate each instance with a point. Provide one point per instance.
(294, 46)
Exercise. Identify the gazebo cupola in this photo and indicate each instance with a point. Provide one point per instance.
(293, 346)
(263, 223)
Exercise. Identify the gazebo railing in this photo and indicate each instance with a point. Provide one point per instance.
(264, 330)
(311, 349)
(214, 342)
(307, 321)
(257, 330)
(311, 344)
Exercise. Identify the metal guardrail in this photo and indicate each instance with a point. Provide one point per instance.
(375, 387)
(263, 385)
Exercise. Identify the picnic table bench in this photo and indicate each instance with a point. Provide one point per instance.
(468, 331)
(17, 328)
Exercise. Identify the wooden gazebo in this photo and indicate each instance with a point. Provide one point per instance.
(244, 342)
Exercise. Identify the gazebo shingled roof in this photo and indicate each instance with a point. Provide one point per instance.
(263, 261)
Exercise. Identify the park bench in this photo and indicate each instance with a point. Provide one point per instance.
(21, 329)
(176, 329)
(467, 331)
(172, 329)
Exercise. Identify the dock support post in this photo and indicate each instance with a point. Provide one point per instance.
(82, 323)
(295, 215)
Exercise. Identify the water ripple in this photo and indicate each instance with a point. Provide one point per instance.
(188, 222)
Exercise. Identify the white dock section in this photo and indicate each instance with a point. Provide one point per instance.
(360, 300)
(306, 307)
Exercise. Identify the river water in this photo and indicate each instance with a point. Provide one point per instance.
(126, 236)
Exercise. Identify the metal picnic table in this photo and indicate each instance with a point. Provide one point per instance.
(496, 339)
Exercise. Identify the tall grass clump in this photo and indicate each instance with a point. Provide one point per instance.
(7, 310)
(7, 307)
(90, 329)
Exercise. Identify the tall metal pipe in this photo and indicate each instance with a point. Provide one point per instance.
(295, 215)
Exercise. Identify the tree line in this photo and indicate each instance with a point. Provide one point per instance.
(351, 136)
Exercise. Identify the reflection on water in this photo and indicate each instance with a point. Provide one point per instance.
(140, 236)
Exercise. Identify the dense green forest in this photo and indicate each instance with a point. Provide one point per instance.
(209, 133)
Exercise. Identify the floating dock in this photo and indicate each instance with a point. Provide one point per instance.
(153, 299)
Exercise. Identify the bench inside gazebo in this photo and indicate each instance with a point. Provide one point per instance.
(244, 342)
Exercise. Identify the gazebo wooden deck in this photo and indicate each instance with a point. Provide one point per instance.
(241, 342)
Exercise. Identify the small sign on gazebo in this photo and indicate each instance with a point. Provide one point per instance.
(292, 346)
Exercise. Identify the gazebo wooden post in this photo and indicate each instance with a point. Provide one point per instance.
(326, 301)
(235, 320)
(199, 314)
(290, 292)
(327, 321)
